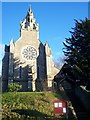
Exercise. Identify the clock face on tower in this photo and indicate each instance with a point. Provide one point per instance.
(29, 53)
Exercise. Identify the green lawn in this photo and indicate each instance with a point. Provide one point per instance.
(24, 105)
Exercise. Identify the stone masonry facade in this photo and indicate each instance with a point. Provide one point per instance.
(27, 61)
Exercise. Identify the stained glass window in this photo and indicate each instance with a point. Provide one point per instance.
(29, 53)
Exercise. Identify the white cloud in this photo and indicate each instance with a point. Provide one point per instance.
(57, 54)
(59, 58)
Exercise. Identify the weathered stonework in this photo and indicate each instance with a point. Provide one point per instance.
(28, 61)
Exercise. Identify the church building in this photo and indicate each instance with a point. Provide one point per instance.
(27, 61)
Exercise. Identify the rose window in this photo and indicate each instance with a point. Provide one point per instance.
(29, 53)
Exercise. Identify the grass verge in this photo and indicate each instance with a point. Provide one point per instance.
(29, 105)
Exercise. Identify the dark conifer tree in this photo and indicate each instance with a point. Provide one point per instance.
(77, 51)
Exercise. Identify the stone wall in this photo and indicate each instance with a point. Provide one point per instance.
(5, 66)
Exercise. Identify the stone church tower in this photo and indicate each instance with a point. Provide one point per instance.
(27, 61)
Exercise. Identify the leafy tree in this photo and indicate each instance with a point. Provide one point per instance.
(14, 87)
(77, 51)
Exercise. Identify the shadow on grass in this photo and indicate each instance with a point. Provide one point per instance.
(36, 115)
(28, 112)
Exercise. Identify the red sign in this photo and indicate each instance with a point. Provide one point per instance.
(60, 107)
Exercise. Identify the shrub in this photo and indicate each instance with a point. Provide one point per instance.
(14, 87)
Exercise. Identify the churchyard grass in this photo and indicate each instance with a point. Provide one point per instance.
(21, 105)
(28, 105)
